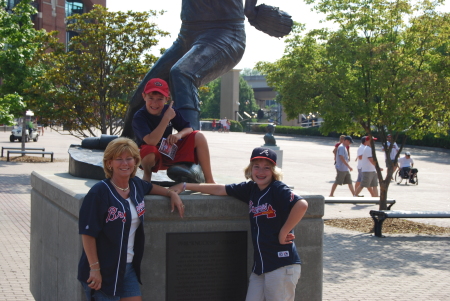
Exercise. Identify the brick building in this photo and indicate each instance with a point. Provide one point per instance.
(52, 13)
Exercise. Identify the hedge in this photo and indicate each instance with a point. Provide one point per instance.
(235, 125)
(428, 140)
(289, 130)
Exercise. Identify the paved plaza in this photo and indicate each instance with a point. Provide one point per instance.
(357, 266)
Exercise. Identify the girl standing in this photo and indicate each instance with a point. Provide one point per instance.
(274, 211)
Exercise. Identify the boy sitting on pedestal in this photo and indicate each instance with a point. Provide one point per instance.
(155, 121)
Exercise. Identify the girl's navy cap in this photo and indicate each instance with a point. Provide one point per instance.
(264, 153)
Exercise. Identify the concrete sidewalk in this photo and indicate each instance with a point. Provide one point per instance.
(356, 266)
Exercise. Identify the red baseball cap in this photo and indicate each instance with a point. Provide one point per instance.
(157, 85)
(368, 138)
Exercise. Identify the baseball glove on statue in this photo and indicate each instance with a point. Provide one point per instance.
(272, 20)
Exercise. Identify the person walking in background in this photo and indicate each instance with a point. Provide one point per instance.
(359, 154)
(341, 139)
(111, 226)
(342, 167)
(393, 153)
(274, 211)
(369, 173)
(214, 125)
(224, 123)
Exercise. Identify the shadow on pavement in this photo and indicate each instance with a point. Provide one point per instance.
(352, 255)
(15, 184)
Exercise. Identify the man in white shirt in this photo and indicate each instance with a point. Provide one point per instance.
(394, 151)
(406, 165)
(359, 153)
(224, 123)
(342, 167)
(369, 173)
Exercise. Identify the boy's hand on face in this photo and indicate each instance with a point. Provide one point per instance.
(170, 113)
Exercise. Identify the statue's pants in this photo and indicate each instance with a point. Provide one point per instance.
(201, 53)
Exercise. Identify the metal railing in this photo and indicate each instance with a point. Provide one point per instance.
(6, 128)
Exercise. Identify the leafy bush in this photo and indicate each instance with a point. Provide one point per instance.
(235, 125)
(289, 130)
(428, 140)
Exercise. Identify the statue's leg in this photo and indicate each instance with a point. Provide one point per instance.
(214, 52)
(161, 70)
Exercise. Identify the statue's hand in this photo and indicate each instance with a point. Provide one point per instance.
(271, 20)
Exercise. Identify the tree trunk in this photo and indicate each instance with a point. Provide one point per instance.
(383, 193)
(24, 126)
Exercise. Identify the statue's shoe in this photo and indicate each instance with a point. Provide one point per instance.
(186, 172)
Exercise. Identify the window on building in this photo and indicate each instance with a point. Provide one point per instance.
(73, 7)
(69, 36)
(11, 3)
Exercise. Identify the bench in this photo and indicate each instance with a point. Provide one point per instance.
(358, 200)
(28, 152)
(19, 148)
(380, 216)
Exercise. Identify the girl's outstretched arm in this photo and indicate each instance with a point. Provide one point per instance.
(214, 189)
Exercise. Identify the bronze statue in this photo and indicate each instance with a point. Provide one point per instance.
(211, 42)
(269, 139)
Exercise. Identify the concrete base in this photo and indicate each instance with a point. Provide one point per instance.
(56, 246)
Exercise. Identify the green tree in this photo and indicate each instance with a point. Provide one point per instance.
(385, 69)
(8, 104)
(19, 42)
(210, 99)
(87, 87)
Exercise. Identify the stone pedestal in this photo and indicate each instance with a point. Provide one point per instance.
(56, 246)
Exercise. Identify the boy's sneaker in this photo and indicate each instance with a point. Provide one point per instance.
(186, 172)
(412, 181)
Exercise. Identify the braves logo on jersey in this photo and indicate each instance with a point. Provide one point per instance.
(140, 208)
(264, 209)
(114, 213)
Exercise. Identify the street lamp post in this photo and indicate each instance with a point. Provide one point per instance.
(27, 113)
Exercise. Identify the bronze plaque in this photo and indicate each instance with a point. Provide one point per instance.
(206, 266)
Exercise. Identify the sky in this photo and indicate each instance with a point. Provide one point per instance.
(260, 46)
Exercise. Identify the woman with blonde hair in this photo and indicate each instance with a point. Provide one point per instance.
(111, 226)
